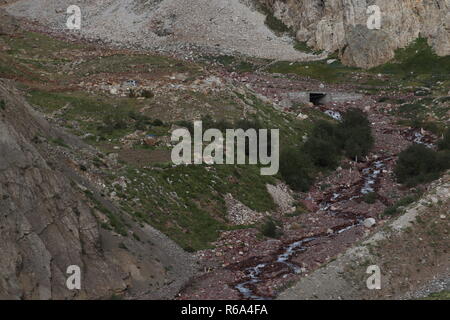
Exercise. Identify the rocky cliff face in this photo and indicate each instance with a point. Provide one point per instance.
(342, 25)
(51, 217)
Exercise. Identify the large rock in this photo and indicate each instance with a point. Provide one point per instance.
(369, 222)
(367, 48)
(331, 26)
(8, 24)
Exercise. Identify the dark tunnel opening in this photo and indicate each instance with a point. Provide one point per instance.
(317, 98)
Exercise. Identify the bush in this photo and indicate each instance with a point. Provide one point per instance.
(403, 202)
(296, 169)
(355, 134)
(419, 164)
(157, 123)
(327, 142)
(323, 145)
(323, 153)
(148, 94)
(444, 144)
(370, 198)
(112, 123)
(269, 229)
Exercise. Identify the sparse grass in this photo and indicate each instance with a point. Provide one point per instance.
(370, 198)
(443, 295)
(186, 202)
(303, 47)
(319, 70)
(403, 202)
(417, 62)
(60, 142)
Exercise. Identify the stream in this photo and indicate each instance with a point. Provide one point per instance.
(370, 174)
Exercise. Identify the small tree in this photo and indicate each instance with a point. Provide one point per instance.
(444, 143)
(356, 134)
(296, 169)
(269, 229)
(417, 164)
(323, 153)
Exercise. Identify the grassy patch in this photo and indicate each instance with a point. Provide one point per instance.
(405, 201)
(417, 62)
(303, 47)
(443, 295)
(320, 70)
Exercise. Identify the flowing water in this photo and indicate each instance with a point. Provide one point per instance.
(370, 174)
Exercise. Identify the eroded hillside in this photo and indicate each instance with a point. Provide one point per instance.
(52, 217)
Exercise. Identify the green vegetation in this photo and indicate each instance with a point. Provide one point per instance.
(296, 168)
(443, 295)
(116, 222)
(187, 202)
(417, 62)
(370, 198)
(272, 22)
(419, 164)
(395, 209)
(323, 145)
(269, 229)
(237, 64)
(352, 137)
(303, 47)
(60, 142)
(320, 70)
(355, 134)
(2, 104)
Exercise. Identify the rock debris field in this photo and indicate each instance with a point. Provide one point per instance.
(215, 26)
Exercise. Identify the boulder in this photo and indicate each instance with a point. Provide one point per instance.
(369, 223)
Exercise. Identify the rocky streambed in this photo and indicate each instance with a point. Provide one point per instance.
(244, 265)
(256, 274)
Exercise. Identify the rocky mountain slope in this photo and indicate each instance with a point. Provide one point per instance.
(51, 217)
(239, 26)
(342, 25)
(168, 25)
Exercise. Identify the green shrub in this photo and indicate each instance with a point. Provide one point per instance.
(157, 123)
(355, 134)
(323, 153)
(269, 229)
(444, 143)
(419, 164)
(148, 94)
(276, 24)
(370, 198)
(390, 211)
(112, 123)
(403, 202)
(296, 169)
(2, 104)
